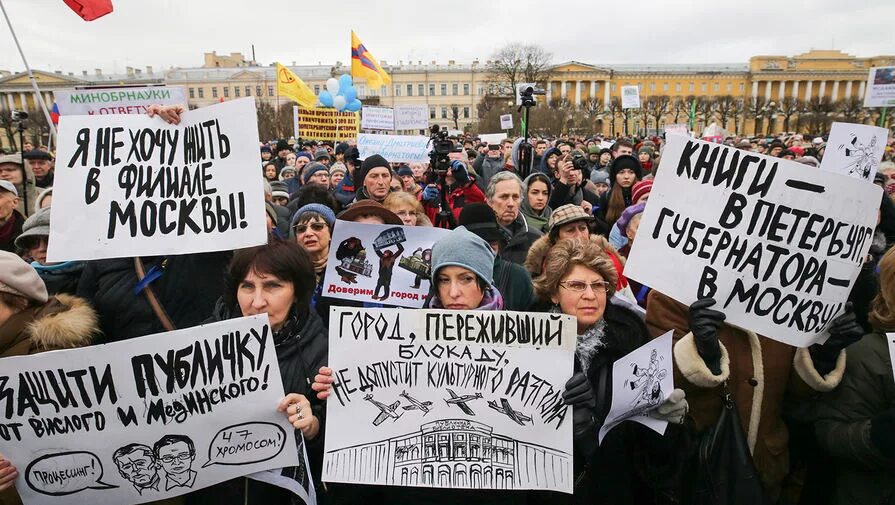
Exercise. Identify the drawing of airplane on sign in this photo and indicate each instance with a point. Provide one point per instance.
(416, 404)
(461, 401)
(386, 411)
(505, 408)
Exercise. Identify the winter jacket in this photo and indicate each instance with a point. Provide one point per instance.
(760, 373)
(514, 283)
(564, 194)
(864, 476)
(10, 230)
(456, 199)
(486, 167)
(521, 239)
(61, 278)
(187, 290)
(345, 191)
(301, 347)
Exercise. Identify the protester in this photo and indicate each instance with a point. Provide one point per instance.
(278, 279)
(316, 173)
(270, 172)
(11, 220)
(536, 188)
(58, 277)
(282, 149)
(41, 165)
(504, 195)
(44, 199)
(409, 181)
(489, 163)
(279, 194)
(570, 186)
(600, 178)
(461, 191)
(408, 208)
(632, 461)
(624, 172)
(375, 177)
(288, 172)
(15, 172)
(336, 174)
(549, 160)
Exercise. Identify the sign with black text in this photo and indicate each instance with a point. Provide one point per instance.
(131, 185)
(776, 243)
(145, 419)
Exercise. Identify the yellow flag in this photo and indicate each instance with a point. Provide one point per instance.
(289, 84)
(365, 66)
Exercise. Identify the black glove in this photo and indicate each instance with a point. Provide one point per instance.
(460, 173)
(704, 324)
(844, 331)
(579, 393)
(882, 432)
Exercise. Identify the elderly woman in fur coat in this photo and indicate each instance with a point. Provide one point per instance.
(32, 322)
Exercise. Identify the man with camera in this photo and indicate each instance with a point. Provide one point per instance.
(489, 163)
(570, 186)
(461, 190)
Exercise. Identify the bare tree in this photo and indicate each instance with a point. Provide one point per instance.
(9, 127)
(455, 116)
(853, 110)
(284, 121)
(678, 107)
(517, 63)
(788, 107)
(592, 110)
(656, 107)
(755, 109)
(724, 105)
(705, 109)
(615, 109)
(37, 129)
(738, 113)
(267, 121)
(819, 111)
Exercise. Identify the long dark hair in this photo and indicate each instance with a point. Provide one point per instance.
(284, 259)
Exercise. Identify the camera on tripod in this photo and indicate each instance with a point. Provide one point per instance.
(527, 93)
(19, 115)
(442, 147)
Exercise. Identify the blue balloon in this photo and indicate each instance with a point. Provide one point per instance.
(326, 99)
(354, 105)
(349, 93)
(344, 82)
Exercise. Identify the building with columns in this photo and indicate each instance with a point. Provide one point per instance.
(453, 91)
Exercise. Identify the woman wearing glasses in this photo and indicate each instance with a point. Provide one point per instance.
(632, 461)
(313, 228)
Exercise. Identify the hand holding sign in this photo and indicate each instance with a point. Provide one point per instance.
(298, 410)
(8, 473)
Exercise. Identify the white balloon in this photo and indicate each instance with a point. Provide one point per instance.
(339, 102)
(332, 85)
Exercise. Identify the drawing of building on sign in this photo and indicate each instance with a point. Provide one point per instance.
(456, 453)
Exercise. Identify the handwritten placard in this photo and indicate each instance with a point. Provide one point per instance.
(394, 148)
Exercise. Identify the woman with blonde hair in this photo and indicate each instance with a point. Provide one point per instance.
(856, 421)
(407, 207)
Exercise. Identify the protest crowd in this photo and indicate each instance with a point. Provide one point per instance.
(816, 425)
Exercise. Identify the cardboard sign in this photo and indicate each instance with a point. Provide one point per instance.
(380, 263)
(145, 419)
(776, 243)
(630, 97)
(641, 381)
(131, 185)
(493, 138)
(411, 117)
(116, 100)
(855, 150)
(506, 121)
(327, 124)
(394, 148)
(880, 87)
(678, 129)
(451, 399)
(377, 118)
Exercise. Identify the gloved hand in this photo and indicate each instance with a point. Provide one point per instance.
(674, 409)
(460, 173)
(882, 432)
(578, 392)
(844, 331)
(704, 323)
(430, 193)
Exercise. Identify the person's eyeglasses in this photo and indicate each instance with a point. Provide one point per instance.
(581, 286)
(301, 228)
(183, 456)
(405, 213)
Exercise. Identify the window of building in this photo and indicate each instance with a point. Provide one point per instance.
(481, 90)
(431, 112)
(444, 89)
(383, 91)
(248, 91)
(361, 91)
(257, 90)
(192, 93)
(227, 92)
(665, 87)
(236, 91)
(398, 90)
(410, 90)
(214, 92)
(742, 87)
(270, 90)
(444, 113)
(729, 87)
(677, 87)
(421, 90)
(612, 87)
(596, 86)
(455, 89)
(201, 92)
(465, 112)
(466, 89)
(431, 90)
(717, 87)
(316, 89)
(692, 87)
(703, 87)
(652, 86)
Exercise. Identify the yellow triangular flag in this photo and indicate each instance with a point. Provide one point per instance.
(290, 85)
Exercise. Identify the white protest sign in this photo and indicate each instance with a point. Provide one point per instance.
(146, 419)
(678, 129)
(640, 382)
(411, 117)
(394, 148)
(506, 121)
(377, 118)
(131, 185)
(380, 263)
(453, 399)
(778, 244)
(855, 150)
(295, 121)
(630, 97)
(880, 87)
(606, 144)
(116, 100)
(493, 138)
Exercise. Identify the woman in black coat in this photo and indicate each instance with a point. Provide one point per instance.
(278, 279)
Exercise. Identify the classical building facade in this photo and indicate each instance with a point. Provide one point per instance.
(453, 91)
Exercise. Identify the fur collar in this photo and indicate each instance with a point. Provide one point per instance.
(64, 322)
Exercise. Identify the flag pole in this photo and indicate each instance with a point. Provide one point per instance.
(37, 94)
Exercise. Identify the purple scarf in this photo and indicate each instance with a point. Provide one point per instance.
(491, 301)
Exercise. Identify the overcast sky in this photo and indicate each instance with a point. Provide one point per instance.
(165, 33)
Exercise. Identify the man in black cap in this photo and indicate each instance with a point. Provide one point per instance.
(283, 148)
(41, 164)
(511, 280)
(345, 191)
(374, 179)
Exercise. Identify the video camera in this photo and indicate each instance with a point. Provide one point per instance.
(442, 147)
(579, 161)
(527, 94)
(19, 115)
